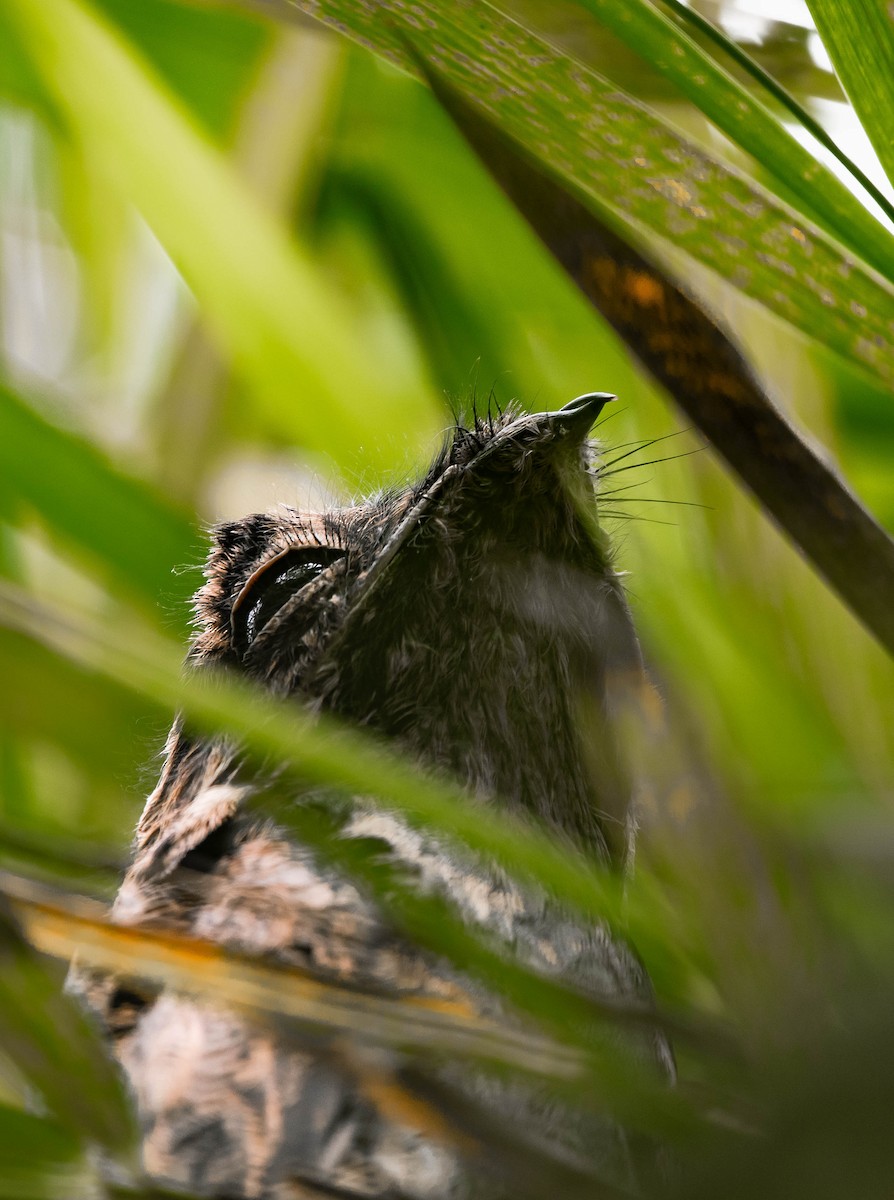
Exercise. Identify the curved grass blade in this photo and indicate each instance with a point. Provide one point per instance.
(286, 331)
(750, 125)
(65, 925)
(427, 921)
(859, 36)
(323, 752)
(642, 176)
(693, 358)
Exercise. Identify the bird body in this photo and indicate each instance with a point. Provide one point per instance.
(475, 622)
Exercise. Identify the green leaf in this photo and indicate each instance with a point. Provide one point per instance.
(209, 56)
(39, 1159)
(642, 175)
(323, 751)
(105, 729)
(428, 921)
(54, 1045)
(859, 36)
(288, 335)
(748, 123)
(773, 88)
(119, 522)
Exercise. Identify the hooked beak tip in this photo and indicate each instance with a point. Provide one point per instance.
(583, 410)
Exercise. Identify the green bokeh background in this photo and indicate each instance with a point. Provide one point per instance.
(766, 815)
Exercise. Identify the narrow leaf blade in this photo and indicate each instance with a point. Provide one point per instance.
(859, 36)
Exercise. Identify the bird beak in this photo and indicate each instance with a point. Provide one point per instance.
(581, 413)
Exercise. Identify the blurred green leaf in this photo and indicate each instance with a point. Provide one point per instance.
(15, 791)
(106, 729)
(431, 923)
(324, 752)
(20, 80)
(285, 329)
(55, 1047)
(460, 345)
(39, 1159)
(119, 522)
(208, 55)
(27, 1138)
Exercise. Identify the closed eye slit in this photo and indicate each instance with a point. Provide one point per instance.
(272, 586)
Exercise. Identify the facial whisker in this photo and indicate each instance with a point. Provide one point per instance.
(627, 488)
(644, 446)
(619, 516)
(652, 500)
(615, 412)
(651, 463)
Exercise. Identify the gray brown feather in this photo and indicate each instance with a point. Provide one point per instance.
(474, 620)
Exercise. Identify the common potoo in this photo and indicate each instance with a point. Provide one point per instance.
(474, 620)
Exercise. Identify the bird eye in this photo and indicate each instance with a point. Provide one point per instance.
(271, 586)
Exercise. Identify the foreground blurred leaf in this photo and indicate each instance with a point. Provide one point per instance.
(859, 36)
(55, 1047)
(322, 751)
(286, 332)
(108, 730)
(38, 1158)
(275, 147)
(120, 522)
(15, 790)
(634, 168)
(428, 921)
(208, 56)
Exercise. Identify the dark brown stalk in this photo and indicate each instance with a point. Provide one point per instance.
(698, 363)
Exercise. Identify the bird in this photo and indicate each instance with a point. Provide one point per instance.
(474, 621)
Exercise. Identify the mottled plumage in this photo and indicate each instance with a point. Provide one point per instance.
(474, 621)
